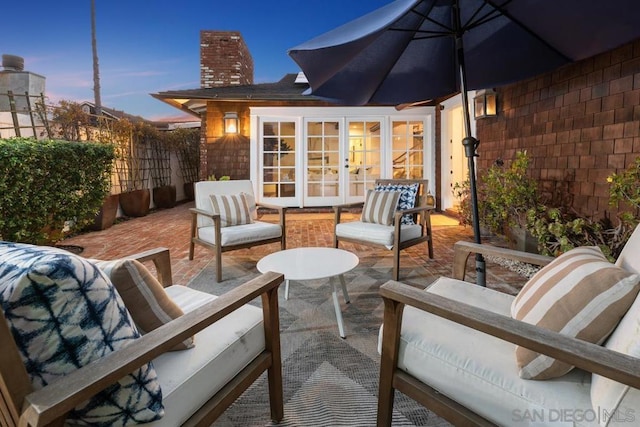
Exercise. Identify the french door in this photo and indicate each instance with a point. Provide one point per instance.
(341, 161)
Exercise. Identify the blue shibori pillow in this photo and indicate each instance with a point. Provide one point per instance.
(64, 313)
(407, 200)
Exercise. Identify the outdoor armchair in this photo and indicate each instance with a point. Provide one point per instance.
(233, 223)
(395, 235)
(457, 348)
(230, 345)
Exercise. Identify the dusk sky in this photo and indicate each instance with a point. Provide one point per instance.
(153, 46)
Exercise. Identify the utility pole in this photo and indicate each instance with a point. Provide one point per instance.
(96, 67)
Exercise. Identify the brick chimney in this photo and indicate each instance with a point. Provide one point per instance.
(224, 59)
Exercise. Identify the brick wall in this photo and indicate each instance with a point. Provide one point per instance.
(578, 124)
(224, 59)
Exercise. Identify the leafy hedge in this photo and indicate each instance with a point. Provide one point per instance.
(48, 188)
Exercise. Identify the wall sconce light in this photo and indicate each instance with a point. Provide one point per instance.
(231, 123)
(485, 104)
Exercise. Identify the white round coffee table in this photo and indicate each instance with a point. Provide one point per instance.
(310, 264)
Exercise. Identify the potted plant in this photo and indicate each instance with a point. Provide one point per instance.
(186, 143)
(164, 193)
(505, 194)
(132, 167)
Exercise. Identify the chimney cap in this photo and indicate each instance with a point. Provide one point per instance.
(12, 62)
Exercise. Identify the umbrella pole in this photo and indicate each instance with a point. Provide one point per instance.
(470, 146)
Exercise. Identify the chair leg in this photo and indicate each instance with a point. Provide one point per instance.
(388, 360)
(218, 264)
(191, 250)
(396, 263)
(272, 344)
(430, 234)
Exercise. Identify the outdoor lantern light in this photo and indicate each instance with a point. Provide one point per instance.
(231, 123)
(485, 104)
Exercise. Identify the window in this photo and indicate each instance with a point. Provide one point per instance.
(323, 158)
(279, 160)
(364, 156)
(407, 149)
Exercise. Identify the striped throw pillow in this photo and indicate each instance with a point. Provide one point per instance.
(380, 206)
(233, 209)
(145, 298)
(580, 294)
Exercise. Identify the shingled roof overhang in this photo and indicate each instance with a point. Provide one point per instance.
(194, 101)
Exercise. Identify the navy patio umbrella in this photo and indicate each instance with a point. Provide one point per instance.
(417, 50)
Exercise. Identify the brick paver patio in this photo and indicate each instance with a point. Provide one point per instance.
(170, 228)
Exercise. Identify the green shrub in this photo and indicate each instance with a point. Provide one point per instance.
(558, 231)
(505, 194)
(49, 188)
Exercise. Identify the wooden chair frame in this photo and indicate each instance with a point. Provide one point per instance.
(584, 355)
(218, 249)
(20, 405)
(421, 213)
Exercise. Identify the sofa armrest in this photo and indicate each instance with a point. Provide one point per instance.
(161, 260)
(462, 250)
(584, 355)
(55, 400)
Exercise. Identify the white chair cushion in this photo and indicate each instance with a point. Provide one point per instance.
(376, 233)
(189, 378)
(612, 397)
(628, 258)
(479, 370)
(238, 234)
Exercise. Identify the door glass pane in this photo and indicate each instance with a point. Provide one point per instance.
(278, 160)
(407, 149)
(364, 156)
(323, 158)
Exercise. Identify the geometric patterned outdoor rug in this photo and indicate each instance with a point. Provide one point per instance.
(328, 381)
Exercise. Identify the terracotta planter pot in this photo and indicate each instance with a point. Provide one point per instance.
(165, 196)
(135, 203)
(107, 214)
(188, 191)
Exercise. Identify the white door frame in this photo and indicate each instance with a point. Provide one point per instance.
(300, 115)
(452, 157)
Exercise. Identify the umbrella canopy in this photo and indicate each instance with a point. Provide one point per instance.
(406, 51)
(415, 50)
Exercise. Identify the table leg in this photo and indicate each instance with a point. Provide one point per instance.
(345, 294)
(286, 289)
(336, 305)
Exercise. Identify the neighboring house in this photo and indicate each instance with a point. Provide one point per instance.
(579, 124)
(299, 150)
(21, 100)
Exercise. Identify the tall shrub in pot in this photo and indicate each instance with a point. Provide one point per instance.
(132, 167)
(164, 192)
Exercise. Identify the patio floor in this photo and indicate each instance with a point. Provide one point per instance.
(170, 228)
